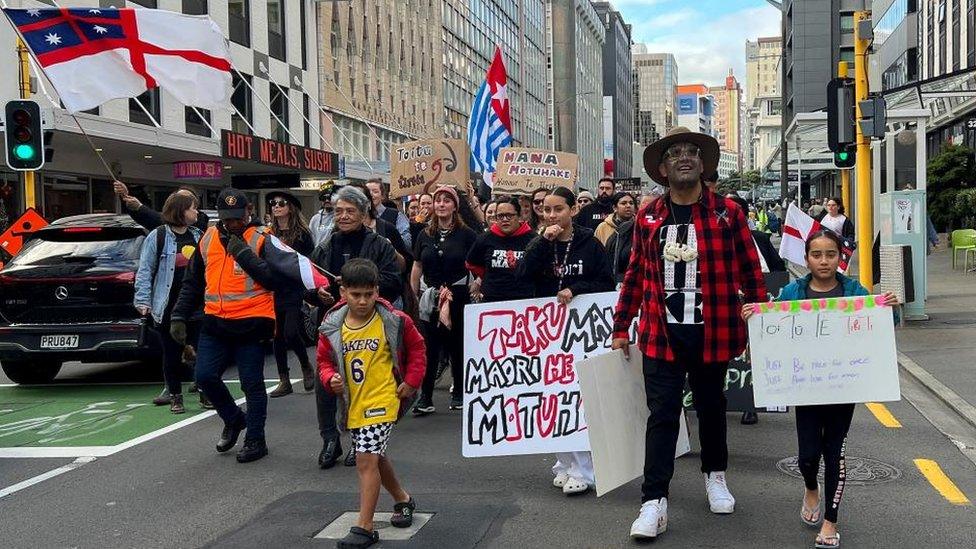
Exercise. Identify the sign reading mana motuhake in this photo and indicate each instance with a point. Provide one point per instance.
(275, 153)
(521, 171)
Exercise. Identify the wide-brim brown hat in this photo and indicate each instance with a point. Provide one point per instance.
(654, 153)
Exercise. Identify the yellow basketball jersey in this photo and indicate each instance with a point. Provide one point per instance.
(369, 374)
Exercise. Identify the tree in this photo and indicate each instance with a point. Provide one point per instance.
(948, 173)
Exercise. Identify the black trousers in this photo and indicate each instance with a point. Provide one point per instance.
(288, 337)
(664, 382)
(175, 371)
(438, 338)
(821, 431)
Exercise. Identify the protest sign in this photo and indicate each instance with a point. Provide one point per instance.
(420, 166)
(616, 417)
(823, 351)
(521, 171)
(521, 392)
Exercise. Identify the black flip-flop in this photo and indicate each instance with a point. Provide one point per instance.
(403, 514)
(358, 538)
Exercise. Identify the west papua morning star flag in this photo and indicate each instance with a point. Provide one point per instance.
(490, 126)
(93, 55)
(797, 229)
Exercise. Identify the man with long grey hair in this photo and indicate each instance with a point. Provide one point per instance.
(349, 240)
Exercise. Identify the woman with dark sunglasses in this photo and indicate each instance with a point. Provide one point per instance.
(288, 224)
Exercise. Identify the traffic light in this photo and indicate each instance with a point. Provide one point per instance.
(841, 131)
(846, 158)
(23, 137)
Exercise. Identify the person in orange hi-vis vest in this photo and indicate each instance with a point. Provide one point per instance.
(230, 275)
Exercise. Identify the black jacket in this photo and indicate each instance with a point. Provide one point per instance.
(376, 249)
(150, 218)
(494, 258)
(194, 286)
(619, 246)
(591, 215)
(588, 266)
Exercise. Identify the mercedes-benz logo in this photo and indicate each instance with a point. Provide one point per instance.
(61, 293)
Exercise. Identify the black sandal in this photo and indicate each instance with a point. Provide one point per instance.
(403, 514)
(357, 538)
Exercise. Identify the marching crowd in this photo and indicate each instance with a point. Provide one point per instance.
(390, 310)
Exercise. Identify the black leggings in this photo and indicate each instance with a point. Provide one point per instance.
(822, 431)
(437, 337)
(288, 337)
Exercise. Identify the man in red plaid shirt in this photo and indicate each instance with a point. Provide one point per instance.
(692, 256)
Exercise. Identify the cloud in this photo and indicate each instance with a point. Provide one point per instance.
(672, 19)
(706, 51)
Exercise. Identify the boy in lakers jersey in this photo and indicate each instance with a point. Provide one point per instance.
(374, 358)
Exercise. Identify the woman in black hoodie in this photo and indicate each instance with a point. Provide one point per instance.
(566, 260)
(496, 252)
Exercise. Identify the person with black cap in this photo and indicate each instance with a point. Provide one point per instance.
(692, 255)
(591, 215)
(230, 277)
(323, 221)
(288, 224)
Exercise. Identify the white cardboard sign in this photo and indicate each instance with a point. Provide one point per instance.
(521, 391)
(823, 351)
(616, 413)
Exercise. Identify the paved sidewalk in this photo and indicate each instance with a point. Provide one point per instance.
(945, 345)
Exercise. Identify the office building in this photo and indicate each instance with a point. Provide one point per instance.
(727, 126)
(655, 77)
(272, 44)
(728, 163)
(618, 95)
(575, 41)
(896, 40)
(469, 32)
(762, 60)
(696, 108)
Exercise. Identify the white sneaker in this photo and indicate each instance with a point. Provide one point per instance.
(652, 520)
(560, 480)
(575, 486)
(717, 492)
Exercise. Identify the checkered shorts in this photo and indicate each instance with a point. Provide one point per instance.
(372, 439)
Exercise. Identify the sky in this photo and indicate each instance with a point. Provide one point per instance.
(707, 37)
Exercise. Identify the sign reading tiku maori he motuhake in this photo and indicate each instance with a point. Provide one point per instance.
(275, 153)
(421, 166)
(521, 171)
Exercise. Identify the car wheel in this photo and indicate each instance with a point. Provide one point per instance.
(31, 372)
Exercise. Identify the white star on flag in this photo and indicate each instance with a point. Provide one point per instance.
(52, 39)
(99, 29)
(34, 13)
(501, 94)
(94, 12)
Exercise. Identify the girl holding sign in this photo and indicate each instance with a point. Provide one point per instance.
(566, 260)
(822, 430)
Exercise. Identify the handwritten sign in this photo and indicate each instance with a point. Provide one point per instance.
(521, 391)
(521, 171)
(420, 166)
(823, 351)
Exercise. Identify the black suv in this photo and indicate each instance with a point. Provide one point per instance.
(68, 296)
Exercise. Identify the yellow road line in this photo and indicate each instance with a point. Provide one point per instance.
(883, 415)
(938, 479)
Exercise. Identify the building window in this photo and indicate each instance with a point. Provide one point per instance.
(279, 108)
(145, 3)
(303, 32)
(241, 100)
(149, 100)
(239, 19)
(956, 35)
(847, 55)
(194, 124)
(276, 29)
(846, 23)
(971, 35)
(308, 127)
(195, 7)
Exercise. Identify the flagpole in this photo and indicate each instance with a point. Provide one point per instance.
(40, 75)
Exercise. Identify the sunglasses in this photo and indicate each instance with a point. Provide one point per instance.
(678, 151)
(278, 202)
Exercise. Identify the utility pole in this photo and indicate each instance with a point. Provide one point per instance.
(845, 175)
(28, 178)
(864, 220)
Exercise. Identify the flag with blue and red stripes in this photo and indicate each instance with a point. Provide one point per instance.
(490, 126)
(93, 55)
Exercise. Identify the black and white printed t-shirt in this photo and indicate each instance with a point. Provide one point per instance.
(682, 284)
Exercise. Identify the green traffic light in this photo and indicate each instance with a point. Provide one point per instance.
(24, 152)
(842, 156)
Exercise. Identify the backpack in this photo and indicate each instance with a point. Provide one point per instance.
(774, 223)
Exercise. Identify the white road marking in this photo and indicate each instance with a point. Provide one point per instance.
(4, 492)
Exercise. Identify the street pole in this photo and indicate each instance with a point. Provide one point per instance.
(30, 199)
(864, 220)
(845, 174)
